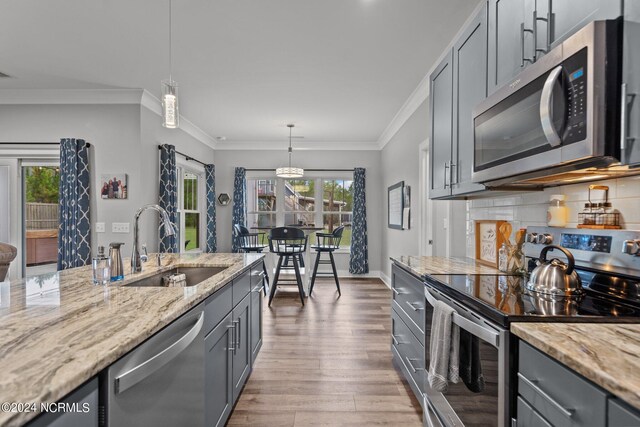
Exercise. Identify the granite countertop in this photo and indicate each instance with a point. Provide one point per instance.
(59, 330)
(607, 354)
(422, 266)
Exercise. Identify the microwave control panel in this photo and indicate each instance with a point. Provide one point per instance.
(576, 82)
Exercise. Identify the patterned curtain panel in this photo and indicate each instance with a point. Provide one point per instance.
(168, 194)
(239, 203)
(359, 261)
(74, 229)
(210, 177)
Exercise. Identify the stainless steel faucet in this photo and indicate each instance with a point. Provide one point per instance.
(165, 223)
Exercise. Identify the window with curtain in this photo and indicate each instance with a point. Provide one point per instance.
(191, 216)
(299, 202)
(261, 202)
(337, 207)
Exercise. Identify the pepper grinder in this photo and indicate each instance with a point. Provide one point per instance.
(117, 269)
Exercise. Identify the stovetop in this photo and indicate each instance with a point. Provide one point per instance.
(504, 299)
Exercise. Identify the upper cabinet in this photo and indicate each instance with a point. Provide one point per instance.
(630, 114)
(458, 83)
(522, 31)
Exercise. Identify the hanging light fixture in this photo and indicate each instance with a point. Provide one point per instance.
(170, 112)
(289, 171)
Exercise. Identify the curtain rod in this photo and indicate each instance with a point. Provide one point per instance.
(306, 170)
(186, 157)
(38, 143)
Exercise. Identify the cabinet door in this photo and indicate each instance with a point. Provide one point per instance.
(631, 77)
(441, 95)
(242, 354)
(469, 88)
(256, 321)
(218, 373)
(507, 42)
(569, 16)
(621, 415)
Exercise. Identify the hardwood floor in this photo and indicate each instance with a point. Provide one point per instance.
(328, 363)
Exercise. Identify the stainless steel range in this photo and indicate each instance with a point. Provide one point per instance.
(608, 265)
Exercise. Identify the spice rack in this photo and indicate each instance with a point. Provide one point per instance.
(599, 215)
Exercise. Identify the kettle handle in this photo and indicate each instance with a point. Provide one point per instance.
(570, 258)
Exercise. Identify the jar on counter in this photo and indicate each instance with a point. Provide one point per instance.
(557, 212)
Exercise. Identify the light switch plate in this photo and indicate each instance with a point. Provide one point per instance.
(100, 228)
(120, 227)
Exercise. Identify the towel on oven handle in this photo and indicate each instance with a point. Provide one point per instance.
(443, 348)
(470, 364)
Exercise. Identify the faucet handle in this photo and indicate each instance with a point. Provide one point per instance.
(159, 258)
(145, 255)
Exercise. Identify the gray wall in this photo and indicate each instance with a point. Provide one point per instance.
(227, 160)
(124, 139)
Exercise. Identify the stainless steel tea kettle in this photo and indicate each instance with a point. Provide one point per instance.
(555, 277)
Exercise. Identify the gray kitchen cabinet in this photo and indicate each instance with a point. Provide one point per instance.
(218, 373)
(567, 17)
(256, 320)
(469, 88)
(85, 401)
(508, 41)
(241, 320)
(620, 414)
(631, 79)
(441, 97)
(457, 84)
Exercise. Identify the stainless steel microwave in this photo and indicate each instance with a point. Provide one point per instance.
(558, 120)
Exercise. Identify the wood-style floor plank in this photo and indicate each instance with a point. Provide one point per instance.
(327, 363)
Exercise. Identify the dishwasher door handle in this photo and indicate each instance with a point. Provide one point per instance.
(151, 365)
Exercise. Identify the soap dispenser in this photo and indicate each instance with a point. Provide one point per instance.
(117, 270)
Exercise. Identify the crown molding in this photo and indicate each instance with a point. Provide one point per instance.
(304, 146)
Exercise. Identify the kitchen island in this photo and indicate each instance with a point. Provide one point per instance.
(423, 266)
(60, 330)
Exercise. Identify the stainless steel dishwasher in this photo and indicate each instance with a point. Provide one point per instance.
(161, 382)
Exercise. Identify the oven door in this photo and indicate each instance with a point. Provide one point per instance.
(459, 406)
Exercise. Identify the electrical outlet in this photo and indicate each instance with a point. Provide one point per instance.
(100, 228)
(120, 227)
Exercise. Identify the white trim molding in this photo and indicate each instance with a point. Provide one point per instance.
(303, 146)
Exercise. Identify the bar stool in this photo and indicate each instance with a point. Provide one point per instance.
(287, 243)
(326, 243)
(251, 242)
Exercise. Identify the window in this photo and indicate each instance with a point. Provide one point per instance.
(337, 207)
(190, 209)
(299, 202)
(261, 202)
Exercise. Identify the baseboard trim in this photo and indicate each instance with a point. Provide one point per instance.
(386, 279)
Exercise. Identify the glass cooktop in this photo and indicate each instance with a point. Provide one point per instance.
(505, 298)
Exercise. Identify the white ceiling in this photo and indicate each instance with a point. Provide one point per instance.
(339, 69)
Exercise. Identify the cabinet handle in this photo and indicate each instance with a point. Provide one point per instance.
(625, 99)
(257, 288)
(531, 383)
(536, 18)
(397, 292)
(446, 166)
(522, 58)
(452, 175)
(410, 363)
(236, 324)
(414, 307)
(232, 347)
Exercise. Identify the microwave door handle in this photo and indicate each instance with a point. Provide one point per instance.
(546, 108)
(489, 335)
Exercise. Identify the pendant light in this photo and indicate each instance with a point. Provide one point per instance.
(170, 112)
(289, 171)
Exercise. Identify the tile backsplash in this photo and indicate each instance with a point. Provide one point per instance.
(530, 208)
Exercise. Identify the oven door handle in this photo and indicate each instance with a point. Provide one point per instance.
(546, 108)
(489, 335)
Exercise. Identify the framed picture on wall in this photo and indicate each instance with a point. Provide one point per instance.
(113, 186)
(395, 205)
(488, 241)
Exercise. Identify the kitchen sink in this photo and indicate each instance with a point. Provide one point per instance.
(194, 275)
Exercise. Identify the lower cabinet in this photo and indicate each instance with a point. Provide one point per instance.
(84, 399)
(550, 394)
(241, 345)
(256, 321)
(218, 373)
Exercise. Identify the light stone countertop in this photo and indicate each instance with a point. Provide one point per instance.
(423, 266)
(606, 354)
(59, 330)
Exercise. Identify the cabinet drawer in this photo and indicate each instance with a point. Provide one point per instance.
(409, 353)
(241, 287)
(621, 415)
(557, 393)
(257, 275)
(528, 417)
(408, 293)
(217, 306)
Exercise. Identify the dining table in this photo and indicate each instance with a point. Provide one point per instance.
(306, 270)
